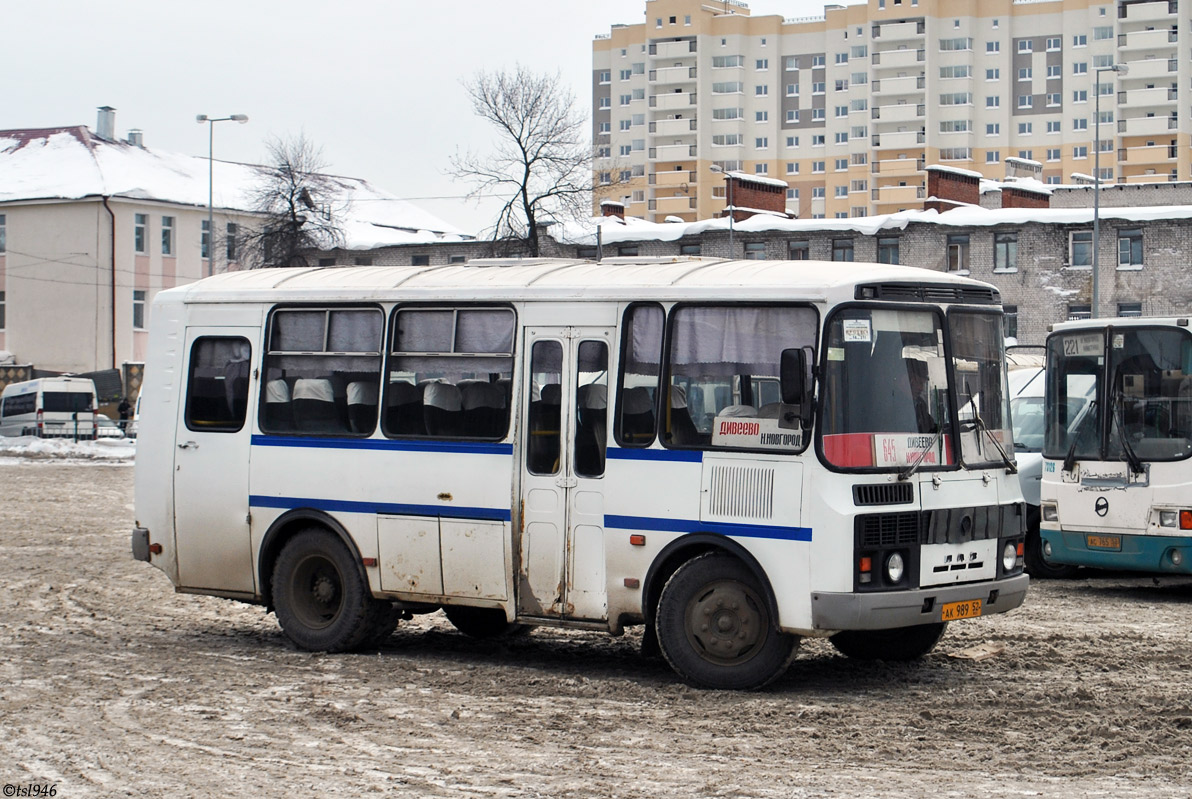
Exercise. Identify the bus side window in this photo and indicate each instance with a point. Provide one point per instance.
(542, 452)
(217, 384)
(591, 409)
(641, 360)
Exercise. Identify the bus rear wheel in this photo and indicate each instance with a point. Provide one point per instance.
(482, 623)
(322, 600)
(715, 628)
(897, 644)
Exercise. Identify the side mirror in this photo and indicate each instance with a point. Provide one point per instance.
(795, 385)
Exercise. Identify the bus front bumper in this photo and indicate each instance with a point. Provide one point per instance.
(1148, 553)
(888, 609)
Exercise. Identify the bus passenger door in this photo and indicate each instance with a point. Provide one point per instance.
(564, 429)
(211, 449)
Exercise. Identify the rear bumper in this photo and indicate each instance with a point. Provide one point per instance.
(888, 609)
(1147, 553)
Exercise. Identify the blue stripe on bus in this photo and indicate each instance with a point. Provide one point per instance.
(690, 526)
(634, 454)
(315, 442)
(400, 509)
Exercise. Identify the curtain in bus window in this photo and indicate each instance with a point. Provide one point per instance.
(484, 331)
(738, 340)
(298, 331)
(354, 331)
(641, 356)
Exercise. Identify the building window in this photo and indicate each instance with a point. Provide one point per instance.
(138, 309)
(755, 251)
(993, 156)
(1080, 248)
(3, 225)
(232, 230)
(139, 232)
(457, 259)
(1129, 309)
(326, 262)
(1005, 252)
(842, 249)
(818, 193)
(362, 260)
(627, 250)
(205, 240)
(799, 250)
(1130, 247)
(887, 250)
(167, 235)
(1010, 321)
(958, 252)
(420, 260)
(690, 249)
(1077, 311)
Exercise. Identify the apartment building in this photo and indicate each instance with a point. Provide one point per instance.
(850, 107)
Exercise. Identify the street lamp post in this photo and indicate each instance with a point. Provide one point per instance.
(728, 181)
(1121, 69)
(241, 118)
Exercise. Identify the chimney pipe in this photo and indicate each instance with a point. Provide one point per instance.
(136, 138)
(105, 128)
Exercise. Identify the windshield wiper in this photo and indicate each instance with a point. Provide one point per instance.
(1011, 466)
(1132, 459)
(1070, 458)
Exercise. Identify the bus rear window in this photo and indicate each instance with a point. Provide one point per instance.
(65, 401)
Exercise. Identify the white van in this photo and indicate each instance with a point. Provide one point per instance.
(49, 407)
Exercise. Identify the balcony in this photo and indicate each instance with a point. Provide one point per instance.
(893, 59)
(1148, 154)
(1148, 126)
(1159, 11)
(900, 112)
(1143, 98)
(899, 138)
(899, 167)
(673, 127)
(672, 75)
(898, 31)
(672, 152)
(891, 86)
(677, 49)
(1152, 68)
(673, 205)
(674, 177)
(675, 101)
(1147, 40)
(898, 194)
(1150, 176)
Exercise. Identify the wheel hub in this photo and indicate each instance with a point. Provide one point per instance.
(725, 623)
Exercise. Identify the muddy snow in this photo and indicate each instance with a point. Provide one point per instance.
(113, 685)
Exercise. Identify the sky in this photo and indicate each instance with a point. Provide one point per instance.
(378, 86)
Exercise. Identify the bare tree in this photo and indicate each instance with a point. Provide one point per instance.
(299, 207)
(542, 160)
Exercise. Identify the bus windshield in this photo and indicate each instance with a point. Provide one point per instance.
(885, 390)
(1141, 381)
(979, 375)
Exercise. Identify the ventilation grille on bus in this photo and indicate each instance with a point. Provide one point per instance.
(742, 492)
(888, 529)
(884, 494)
(921, 292)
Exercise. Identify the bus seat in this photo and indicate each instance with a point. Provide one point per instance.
(442, 410)
(484, 410)
(637, 415)
(591, 433)
(551, 394)
(314, 406)
(738, 410)
(681, 429)
(403, 409)
(771, 410)
(362, 407)
(279, 411)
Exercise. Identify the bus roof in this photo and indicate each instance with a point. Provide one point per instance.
(1119, 321)
(565, 279)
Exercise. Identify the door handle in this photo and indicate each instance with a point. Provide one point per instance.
(188, 445)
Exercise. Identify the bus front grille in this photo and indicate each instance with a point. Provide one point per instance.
(888, 529)
(884, 494)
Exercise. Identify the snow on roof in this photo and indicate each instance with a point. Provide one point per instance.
(745, 177)
(1012, 159)
(1022, 184)
(968, 173)
(72, 163)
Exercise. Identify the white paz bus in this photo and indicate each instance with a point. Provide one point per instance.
(734, 454)
(1117, 469)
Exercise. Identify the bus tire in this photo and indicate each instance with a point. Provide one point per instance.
(1032, 554)
(482, 623)
(715, 628)
(897, 644)
(385, 618)
(322, 600)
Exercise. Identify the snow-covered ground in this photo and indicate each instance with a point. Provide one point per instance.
(106, 450)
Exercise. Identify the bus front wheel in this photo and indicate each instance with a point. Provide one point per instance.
(715, 628)
(899, 643)
(322, 600)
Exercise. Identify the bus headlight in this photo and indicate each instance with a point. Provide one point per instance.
(894, 567)
(1009, 556)
(1049, 512)
(1168, 518)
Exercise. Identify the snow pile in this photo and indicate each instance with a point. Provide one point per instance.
(108, 450)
